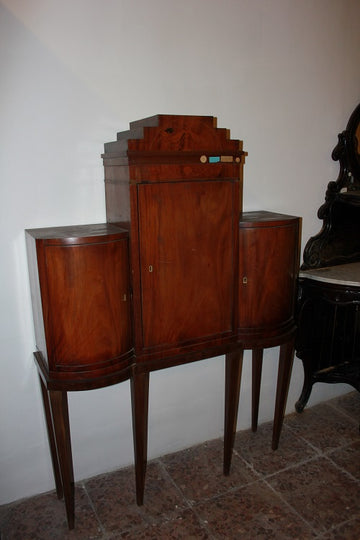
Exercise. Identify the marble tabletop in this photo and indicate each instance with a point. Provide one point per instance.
(342, 274)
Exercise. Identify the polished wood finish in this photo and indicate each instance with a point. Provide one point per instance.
(257, 364)
(327, 314)
(268, 267)
(187, 254)
(61, 425)
(140, 406)
(80, 287)
(233, 371)
(178, 274)
(175, 183)
(286, 359)
(52, 440)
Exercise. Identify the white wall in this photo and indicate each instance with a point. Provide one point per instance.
(283, 75)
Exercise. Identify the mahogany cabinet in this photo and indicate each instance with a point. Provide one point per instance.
(80, 287)
(268, 267)
(202, 285)
(186, 268)
(177, 274)
(175, 183)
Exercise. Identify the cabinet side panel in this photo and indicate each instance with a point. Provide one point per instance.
(89, 303)
(117, 196)
(268, 268)
(35, 290)
(117, 203)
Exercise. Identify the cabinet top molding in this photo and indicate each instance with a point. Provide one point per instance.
(164, 134)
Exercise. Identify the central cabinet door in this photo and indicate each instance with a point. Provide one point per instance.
(186, 260)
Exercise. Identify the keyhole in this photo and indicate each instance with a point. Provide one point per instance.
(150, 268)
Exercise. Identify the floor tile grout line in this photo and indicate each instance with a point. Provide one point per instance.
(204, 523)
(336, 527)
(172, 481)
(336, 404)
(327, 454)
(260, 478)
(193, 503)
(341, 447)
(248, 465)
(293, 510)
(303, 438)
(263, 476)
(100, 524)
(189, 505)
(343, 411)
(325, 457)
(347, 473)
(318, 450)
(239, 488)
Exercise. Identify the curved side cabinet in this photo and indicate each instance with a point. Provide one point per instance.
(268, 269)
(80, 286)
(268, 266)
(81, 302)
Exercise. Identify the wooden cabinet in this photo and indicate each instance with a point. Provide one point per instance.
(187, 253)
(177, 274)
(203, 283)
(268, 268)
(80, 288)
(175, 183)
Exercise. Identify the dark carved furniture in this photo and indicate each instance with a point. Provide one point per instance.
(328, 340)
(192, 277)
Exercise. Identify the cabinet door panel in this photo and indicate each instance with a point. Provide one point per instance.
(186, 247)
(88, 303)
(267, 266)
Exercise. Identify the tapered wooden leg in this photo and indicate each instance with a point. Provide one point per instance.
(257, 362)
(233, 370)
(51, 437)
(286, 359)
(60, 414)
(140, 406)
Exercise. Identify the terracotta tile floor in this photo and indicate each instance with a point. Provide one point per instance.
(308, 488)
